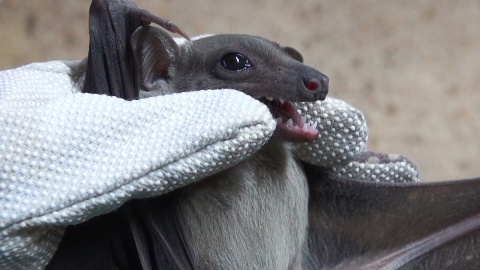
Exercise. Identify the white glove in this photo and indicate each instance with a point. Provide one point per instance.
(341, 146)
(66, 156)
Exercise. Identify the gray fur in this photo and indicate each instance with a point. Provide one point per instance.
(255, 214)
(277, 71)
(252, 216)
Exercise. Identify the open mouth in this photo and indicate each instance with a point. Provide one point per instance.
(290, 124)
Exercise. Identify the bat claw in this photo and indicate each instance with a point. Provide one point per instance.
(166, 24)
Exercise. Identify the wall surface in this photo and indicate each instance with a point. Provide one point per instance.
(411, 66)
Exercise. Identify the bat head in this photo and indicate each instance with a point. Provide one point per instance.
(273, 74)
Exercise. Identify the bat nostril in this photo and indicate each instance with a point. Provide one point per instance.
(312, 84)
(317, 85)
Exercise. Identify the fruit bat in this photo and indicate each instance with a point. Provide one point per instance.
(272, 211)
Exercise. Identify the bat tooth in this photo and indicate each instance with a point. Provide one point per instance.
(314, 125)
(305, 127)
(281, 100)
(290, 123)
(269, 98)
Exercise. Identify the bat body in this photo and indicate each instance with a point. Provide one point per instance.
(261, 203)
(270, 211)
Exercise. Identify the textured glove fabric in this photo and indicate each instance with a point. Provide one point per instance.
(343, 133)
(66, 157)
(379, 167)
(341, 147)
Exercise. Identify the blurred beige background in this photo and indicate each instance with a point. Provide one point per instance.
(411, 66)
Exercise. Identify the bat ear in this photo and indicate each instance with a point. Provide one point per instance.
(155, 51)
(293, 53)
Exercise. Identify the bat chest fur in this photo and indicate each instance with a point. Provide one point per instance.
(252, 216)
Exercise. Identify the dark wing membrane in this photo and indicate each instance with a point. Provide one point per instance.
(111, 66)
(103, 242)
(143, 234)
(355, 224)
(163, 233)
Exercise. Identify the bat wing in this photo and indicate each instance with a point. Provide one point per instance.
(368, 225)
(110, 63)
(103, 242)
(143, 234)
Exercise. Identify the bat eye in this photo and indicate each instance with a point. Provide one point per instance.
(235, 62)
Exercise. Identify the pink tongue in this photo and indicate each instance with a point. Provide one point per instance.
(287, 111)
(294, 132)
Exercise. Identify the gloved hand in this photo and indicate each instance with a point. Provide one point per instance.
(341, 147)
(66, 157)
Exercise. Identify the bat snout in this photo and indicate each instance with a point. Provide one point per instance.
(318, 86)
